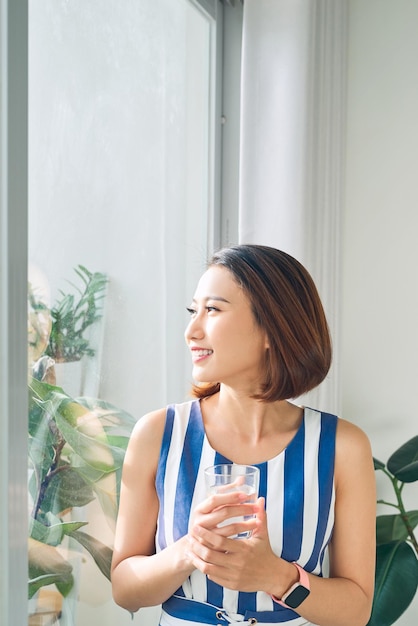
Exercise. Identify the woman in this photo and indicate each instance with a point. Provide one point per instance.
(258, 337)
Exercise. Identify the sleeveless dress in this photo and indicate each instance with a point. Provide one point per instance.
(298, 485)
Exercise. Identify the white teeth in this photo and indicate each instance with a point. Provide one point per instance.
(202, 352)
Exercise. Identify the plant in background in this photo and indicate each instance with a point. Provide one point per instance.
(74, 314)
(397, 548)
(76, 451)
(39, 325)
(76, 447)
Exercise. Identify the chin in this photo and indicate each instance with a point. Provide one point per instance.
(199, 378)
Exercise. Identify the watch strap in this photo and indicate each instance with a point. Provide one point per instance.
(303, 581)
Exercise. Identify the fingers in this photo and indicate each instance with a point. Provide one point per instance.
(233, 563)
(221, 499)
(229, 487)
(260, 530)
(261, 504)
(204, 541)
(212, 548)
(222, 560)
(221, 506)
(227, 521)
(231, 528)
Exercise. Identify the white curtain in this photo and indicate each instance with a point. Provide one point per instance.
(292, 140)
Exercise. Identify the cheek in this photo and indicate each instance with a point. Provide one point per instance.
(259, 343)
(248, 339)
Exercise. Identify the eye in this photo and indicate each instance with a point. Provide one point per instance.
(209, 309)
(190, 310)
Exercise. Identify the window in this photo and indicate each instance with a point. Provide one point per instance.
(121, 181)
(85, 207)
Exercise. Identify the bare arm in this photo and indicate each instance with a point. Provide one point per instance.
(353, 545)
(139, 576)
(345, 598)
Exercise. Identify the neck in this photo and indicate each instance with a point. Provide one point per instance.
(249, 417)
(247, 430)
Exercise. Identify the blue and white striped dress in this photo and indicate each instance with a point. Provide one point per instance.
(298, 485)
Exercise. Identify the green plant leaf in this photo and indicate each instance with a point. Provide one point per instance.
(396, 582)
(47, 397)
(34, 584)
(66, 490)
(378, 465)
(107, 493)
(79, 426)
(404, 462)
(73, 314)
(46, 566)
(64, 586)
(42, 438)
(101, 553)
(392, 527)
(76, 452)
(53, 534)
(85, 434)
(41, 447)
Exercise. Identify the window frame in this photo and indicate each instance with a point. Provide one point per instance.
(13, 310)
(225, 110)
(214, 10)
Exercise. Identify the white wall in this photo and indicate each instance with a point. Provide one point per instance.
(380, 254)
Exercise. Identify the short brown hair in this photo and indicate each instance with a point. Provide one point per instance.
(287, 306)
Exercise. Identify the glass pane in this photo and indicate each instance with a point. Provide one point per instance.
(120, 123)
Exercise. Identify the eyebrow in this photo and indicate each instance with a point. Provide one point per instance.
(216, 298)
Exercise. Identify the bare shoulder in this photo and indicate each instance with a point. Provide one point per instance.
(145, 441)
(149, 428)
(351, 437)
(353, 450)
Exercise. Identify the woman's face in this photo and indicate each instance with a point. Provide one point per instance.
(226, 344)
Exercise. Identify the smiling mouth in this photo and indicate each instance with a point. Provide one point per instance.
(198, 354)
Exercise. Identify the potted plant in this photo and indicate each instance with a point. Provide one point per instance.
(397, 548)
(74, 314)
(76, 450)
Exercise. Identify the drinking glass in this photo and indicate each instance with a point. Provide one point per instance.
(229, 477)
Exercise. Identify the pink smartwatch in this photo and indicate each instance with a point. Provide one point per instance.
(297, 592)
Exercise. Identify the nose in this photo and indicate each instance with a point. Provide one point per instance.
(194, 329)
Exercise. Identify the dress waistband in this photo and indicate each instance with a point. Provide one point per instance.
(194, 611)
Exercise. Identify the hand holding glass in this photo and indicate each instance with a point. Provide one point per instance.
(230, 477)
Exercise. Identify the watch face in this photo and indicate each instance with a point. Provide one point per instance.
(297, 596)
